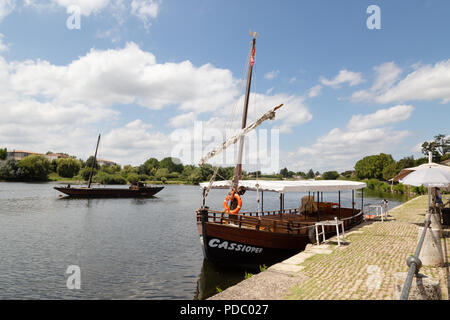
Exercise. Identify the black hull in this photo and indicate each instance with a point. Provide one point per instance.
(248, 257)
(145, 192)
(231, 244)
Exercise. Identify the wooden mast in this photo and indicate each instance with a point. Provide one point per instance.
(238, 169)
(93, 163)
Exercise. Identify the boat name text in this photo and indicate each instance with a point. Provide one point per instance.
(216, 243)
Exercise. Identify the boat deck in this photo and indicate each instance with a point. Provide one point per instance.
(282, 221)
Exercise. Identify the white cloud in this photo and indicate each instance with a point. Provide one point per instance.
(428, 82)
(381, 117)
(340, 148)
(386, 75)
(6, 7)
(53, 106)
(134, 143)
(3, 46)
(87, 7)
(125, 76)
(344, 76)
(424, 83)
(271, 75)
(314, 91)
(183, 119)
(145, 10)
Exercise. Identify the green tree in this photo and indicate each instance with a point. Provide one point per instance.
(162, 174)
(196, 176)
(171, 164)
(10, 171)
(390, 171)
(35, 168)
(438, 147)
(133, 178)
(284, 172)
(68, 167)
(310, 174)
(372, 166)
(406, 162)
(3, 154)
(90, 161)
(330, 175)
(85, 173)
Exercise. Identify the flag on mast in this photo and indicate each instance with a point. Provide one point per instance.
(252, 58)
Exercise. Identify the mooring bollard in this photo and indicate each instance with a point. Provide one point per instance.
(422, 287)
(431, 253)
(436, 222)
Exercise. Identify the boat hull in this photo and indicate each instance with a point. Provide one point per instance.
(250, 248)
(144, 192)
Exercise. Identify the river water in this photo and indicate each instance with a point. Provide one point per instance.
(125, 248)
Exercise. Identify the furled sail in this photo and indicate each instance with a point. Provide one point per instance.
(220, 148)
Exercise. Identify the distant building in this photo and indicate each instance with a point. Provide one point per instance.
(54, 156)
(103, 162)
(20, 154)
(446, 162)
(298, 177)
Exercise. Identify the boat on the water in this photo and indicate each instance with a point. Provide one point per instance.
(137, 190)
(251, 239)
(254, 238)
(134, 191)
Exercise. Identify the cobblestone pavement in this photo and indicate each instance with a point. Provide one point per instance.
(365, 268)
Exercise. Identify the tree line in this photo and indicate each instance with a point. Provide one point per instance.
(373, 169)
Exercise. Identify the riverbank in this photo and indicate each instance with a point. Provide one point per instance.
(364, 268)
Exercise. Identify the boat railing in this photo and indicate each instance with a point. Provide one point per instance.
(267, 223)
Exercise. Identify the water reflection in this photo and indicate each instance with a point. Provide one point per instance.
(215, 278)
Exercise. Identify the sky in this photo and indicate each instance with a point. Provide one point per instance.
(147, 74)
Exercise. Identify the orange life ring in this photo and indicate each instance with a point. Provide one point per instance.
(226, 207)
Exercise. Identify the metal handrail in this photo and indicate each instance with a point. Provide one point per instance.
(414, 262)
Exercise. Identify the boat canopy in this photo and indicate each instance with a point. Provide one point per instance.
(282, 186)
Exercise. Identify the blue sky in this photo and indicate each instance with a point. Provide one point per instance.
(139, 70)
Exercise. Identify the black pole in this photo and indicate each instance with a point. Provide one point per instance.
(362, 199)
(93, 163)
(318, 206)
(339, 194)
(262, 201)
(353, 202)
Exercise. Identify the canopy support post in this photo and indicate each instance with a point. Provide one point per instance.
(362, 199)
(339, 196)
(353, 202)
(318, 206)
(262, 201)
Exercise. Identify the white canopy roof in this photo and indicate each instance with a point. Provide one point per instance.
(290, 186)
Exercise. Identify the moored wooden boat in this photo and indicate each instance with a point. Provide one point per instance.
(138, 190)
(131, 192)
(251, 239)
